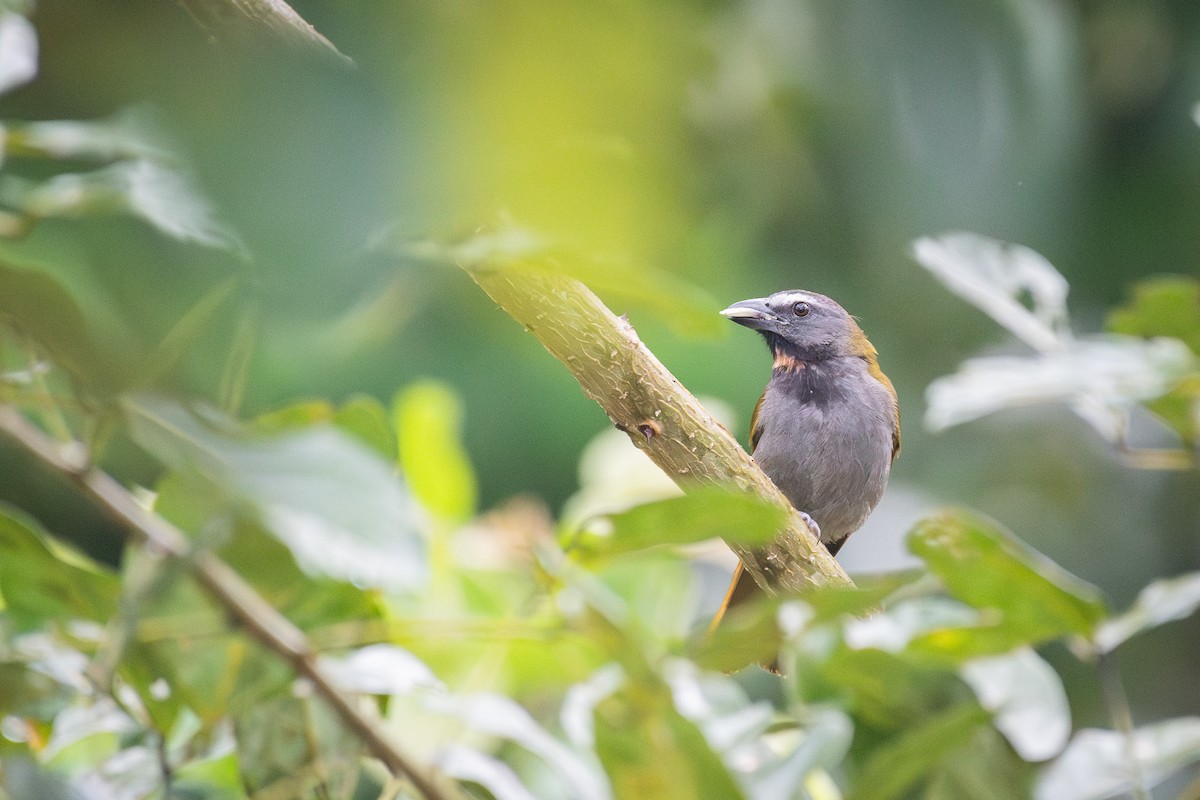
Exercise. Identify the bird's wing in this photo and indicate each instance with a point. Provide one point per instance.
(756, 430)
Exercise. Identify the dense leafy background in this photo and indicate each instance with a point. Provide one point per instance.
(247, 239)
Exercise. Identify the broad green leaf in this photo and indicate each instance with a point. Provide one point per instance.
(895, 767)
(704, 513)
(365, 418)
(213, 778)
(1095, 764)
(183, 335)
(295, 747)
(1161, 602)
(1168, 305)
(38, 306)
(362, 417)
(650, 750)
(42, 581)
(1027, 697)
(428, 421)
(336, 506)
(988, 568)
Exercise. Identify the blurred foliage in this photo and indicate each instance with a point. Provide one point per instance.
(227, 274)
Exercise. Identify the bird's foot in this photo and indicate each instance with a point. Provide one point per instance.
(811, 523)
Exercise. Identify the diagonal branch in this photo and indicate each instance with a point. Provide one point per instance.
(662, 418)
(239, 600)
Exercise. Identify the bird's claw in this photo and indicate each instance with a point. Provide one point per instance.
(811, 523)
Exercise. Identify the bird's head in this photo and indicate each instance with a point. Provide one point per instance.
(804, 326)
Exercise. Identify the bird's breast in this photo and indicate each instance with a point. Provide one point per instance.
(826, 442)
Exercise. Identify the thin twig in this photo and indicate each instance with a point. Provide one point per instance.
(1122, 718)
(239, 600)
(643, 399)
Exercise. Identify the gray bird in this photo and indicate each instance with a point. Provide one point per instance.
(827, 427)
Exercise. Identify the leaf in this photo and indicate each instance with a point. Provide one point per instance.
(1095, 764)
(42, 581)
(380, 669)
(232, 389)
(704, 513)
(768, 764)
(336, 506)
(428, 420)
(895, 767)
(1102, 378)
(990, 569)
(161, 195)
(1168, 305)
(183, 334)
(18, 51)
(130, 134)
(994, 276)
(365, 418)
(650, 750)
(38, 306)
(499, 716)
(682, 305)
(1027, 698)
(1161, 602)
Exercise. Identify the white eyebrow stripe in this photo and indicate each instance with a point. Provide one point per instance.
(794, 297)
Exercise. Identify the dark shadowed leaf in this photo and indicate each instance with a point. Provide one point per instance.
(894, 768)
(1161, 602)
(988, 568)
(337, 506)
(43, 581)
(38, 306)
(1095, 764)
(183, 335)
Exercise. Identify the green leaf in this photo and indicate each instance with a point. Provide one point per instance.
(894, 768)
(235, 376)
(1168, 305)
(337, 507)
(1095, 765)
(38, 306)
(183, 335)
(1159, 603)
(988, 568)
(365, 418)
(649, 750)
(428, 421)
(42, 581)
(703, 513)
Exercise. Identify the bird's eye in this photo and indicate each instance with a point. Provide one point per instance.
(800, 309)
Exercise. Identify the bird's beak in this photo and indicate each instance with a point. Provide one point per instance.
(753, 314)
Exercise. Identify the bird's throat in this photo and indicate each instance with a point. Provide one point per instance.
(787, 362)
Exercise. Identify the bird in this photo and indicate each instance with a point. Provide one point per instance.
(827, 427)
